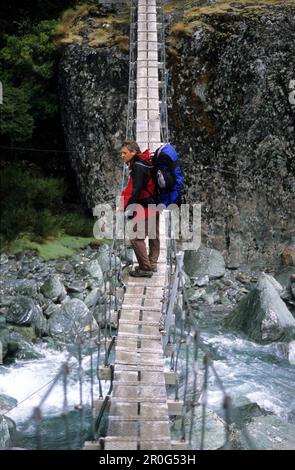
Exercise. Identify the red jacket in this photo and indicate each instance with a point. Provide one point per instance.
(141, 186)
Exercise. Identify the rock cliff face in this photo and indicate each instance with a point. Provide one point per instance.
(94, 90)
(93, 83)
(229, 114)
(230, 111)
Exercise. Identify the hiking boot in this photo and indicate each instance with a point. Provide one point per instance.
(140, 273)
(154, 268)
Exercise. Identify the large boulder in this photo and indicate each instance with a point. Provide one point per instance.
(269, 433)
(8, 346)
(262, 315)
(6, 403)
(70, 320)
(4, 433)
(214, 436)
(54, 289)
(27, 287)
(105, 260)
(95, 271)
(24, 311)
(93, 297)
(204, 262)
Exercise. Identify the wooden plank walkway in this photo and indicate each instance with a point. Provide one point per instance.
(139, 410)
(139, 417)
(148, 112)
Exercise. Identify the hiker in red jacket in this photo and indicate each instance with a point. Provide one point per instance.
(141, 190)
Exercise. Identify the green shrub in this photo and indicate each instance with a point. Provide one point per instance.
(77, 225)
(28, 68)
(33, 204)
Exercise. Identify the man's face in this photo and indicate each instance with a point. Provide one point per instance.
(126, 154)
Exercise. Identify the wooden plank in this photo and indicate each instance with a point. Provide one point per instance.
(155, 337)
(126, 357)
(91, 445)
(152, 377)
(155, 445)
(133, 346)
(171, 377)
(180, 445)
(148, 392)
(150, 330)
(122, 428)
(120, 444)
(135, 417)
(125, 391)
(135, 401)
(140, 322)
(130, 297)
(175, 408)
(128, 367)
(143, 308)
(151, 284)
(150, 410)
(157, 430)
(148, 358)
(124, 410)
(128, 328)
(126, 376)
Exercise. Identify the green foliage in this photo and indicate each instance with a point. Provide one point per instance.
(28, 72)
(51, 249)
(28, 203)
(30, 54)
(33, 204)
(16, 122)
(18, 16)
(76, 224)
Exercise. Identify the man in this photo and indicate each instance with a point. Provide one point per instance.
(141, 190)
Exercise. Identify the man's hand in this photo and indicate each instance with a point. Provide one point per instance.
(129, 214)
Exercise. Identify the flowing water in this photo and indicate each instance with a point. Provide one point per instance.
(28, 381)
(257, 372)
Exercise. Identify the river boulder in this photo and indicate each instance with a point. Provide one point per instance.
(54, 289)
(4, 433)
(24, 311)
(262, 315)
(214, 436)
(6, 403)
(269, 433)
(204, 262)
(71, 319)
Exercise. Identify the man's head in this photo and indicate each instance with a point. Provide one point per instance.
(129, 150)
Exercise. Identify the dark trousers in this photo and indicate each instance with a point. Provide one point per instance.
(147, 261)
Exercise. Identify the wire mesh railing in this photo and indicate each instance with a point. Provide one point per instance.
(179, 326)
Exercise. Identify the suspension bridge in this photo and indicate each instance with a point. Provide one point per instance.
(145, 311)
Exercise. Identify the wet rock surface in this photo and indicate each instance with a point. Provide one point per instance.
(59, 301)
(234, 126)
(262, 314)
(270, 433)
